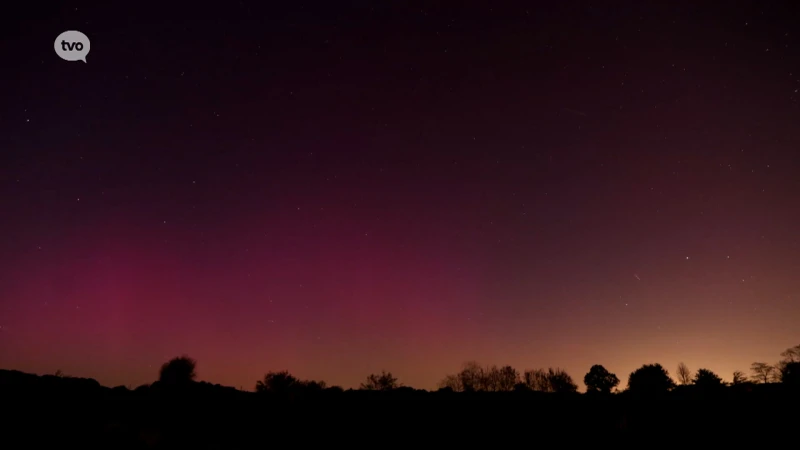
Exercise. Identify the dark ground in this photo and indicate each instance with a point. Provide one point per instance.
(41, 411)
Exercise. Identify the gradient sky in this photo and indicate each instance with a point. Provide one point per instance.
(336, 191)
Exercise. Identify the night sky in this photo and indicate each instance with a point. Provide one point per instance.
(336, 190)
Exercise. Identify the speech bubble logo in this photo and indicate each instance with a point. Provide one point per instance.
(72, 46)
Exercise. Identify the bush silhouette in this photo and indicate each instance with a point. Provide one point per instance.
(600, 380)
(650, 379)
(178, 371)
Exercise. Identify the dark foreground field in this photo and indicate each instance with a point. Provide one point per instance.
(47, 410)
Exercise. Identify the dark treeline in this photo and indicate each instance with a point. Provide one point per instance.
(478, 404)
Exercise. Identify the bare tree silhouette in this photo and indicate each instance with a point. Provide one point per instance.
(536, 380)
(684, 374)
(739, 377)
(762, 372)
(383, 382)
(598, 379)
(474, 377)
(489, 379)
(178, 371)
(507, 378)
(471, 376)
(452, 382)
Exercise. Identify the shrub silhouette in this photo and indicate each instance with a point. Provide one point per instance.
(600, 380)
(650, 379)
(178, 371)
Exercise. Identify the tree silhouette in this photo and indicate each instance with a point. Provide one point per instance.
(739, 378)
(314, 386)
(489, 379)
(762, 372)
(785, 371)
(496, 379)
(277, 382)
(560, 381)
(598, 379)
(790, 374)
(474, 377)
(707, 379)
(536, 380)
(775, 376)
(452, 382)
(521, 387)
(684, 374)
(383, 382)
(650, 379)
(471, 376)
(507, 377)
(178, 371)
(791, 354)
